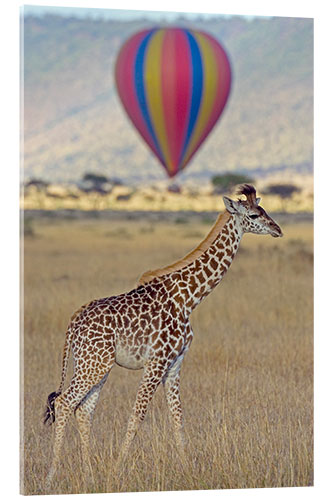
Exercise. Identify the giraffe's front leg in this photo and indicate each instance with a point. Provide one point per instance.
(152, 376)
(171, 385)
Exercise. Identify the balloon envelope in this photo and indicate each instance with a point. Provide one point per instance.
(174, 84)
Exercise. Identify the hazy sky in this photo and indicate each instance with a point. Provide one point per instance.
(111, 13)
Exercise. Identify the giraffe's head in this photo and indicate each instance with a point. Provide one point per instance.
(252, 218)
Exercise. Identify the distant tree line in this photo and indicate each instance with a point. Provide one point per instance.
(222, 183)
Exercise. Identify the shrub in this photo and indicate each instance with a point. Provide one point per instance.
(174, 188)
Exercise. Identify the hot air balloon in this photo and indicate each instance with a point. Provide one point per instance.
(174, 84)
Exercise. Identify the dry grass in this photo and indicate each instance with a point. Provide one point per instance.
(246, 381)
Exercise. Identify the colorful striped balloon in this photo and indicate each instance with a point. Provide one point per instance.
(174, 84)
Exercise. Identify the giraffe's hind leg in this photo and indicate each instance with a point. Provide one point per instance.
(84, 414)
(66, 403)
(152, 376)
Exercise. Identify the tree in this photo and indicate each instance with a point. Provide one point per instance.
(95, 178)
(225, 183)
(283, 190)
(95, 183)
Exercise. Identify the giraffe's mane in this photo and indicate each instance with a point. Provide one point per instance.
(190, 257)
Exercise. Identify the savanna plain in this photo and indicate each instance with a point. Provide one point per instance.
(246, 382)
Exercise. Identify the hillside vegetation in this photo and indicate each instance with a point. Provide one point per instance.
(74, 122)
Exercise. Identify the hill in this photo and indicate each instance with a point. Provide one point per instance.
(74, 122)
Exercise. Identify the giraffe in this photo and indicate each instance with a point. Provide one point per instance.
(148, 328)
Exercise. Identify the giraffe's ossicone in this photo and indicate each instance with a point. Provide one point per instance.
(148, 328)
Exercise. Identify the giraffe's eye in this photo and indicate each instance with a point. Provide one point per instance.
(254, 216)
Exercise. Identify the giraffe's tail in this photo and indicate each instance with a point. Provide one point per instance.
(49, 412)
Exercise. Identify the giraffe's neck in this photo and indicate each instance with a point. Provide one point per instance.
(196, 280)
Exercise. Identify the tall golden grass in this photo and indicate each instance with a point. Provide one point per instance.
(246, 381)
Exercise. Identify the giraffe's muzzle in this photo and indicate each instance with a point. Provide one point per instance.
(276, 232)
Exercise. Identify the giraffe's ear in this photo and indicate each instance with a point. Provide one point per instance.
(258, 200)
(232, 206)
